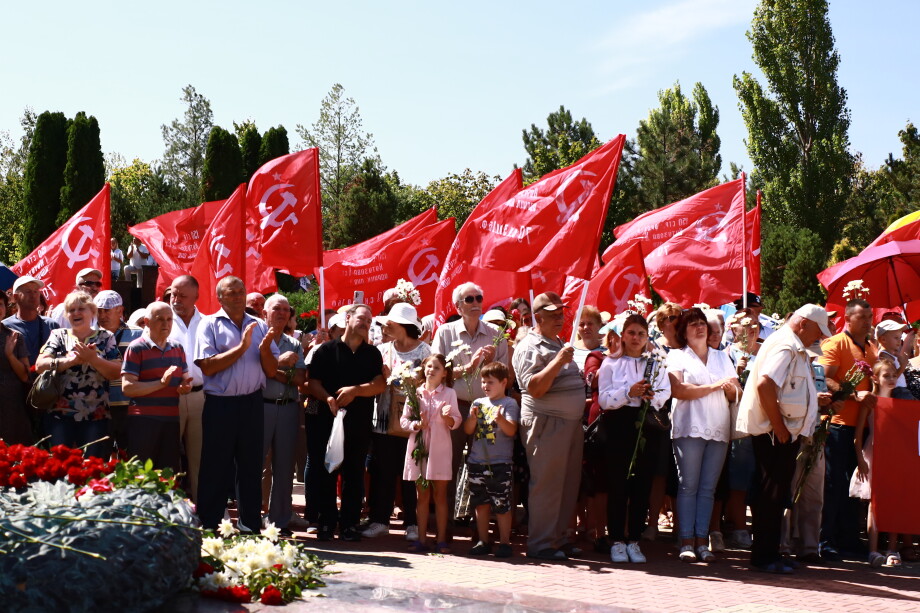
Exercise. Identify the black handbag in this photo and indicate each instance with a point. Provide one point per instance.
(595, 440)
(47, 389)
(655, 419)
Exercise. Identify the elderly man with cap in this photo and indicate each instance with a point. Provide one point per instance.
(552, 406)
(110, 313)
(778, 407)
(34, 328)
(755, 304)
(480, 337)
(183, 294)
(88, 280)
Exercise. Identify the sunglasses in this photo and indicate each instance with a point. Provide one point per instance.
(91, 283)
(472, 299)
(670, 318)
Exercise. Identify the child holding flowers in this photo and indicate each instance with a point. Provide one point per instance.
(493, 422)
(428, 456)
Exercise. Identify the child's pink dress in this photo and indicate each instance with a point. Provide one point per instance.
(436, 436)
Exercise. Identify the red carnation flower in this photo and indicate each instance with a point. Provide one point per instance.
(240, 593)
(271, 595)
(203, 569)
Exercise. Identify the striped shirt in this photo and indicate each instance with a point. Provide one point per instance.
(145, 360)
(124, 336)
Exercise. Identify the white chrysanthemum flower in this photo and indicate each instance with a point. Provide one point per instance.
(213, 547)
(226, 529)
(271, 532)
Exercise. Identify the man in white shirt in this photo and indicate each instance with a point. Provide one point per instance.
(138, 255)
(118, 258)
(183, 295)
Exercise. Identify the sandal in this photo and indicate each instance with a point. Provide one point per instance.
(443, 548)
(894, 559)
(418, 547)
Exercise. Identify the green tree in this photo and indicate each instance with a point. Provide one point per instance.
(84, 173)
(790, 257)
(274, 144)
(250, 144)
(43, 178)
(563, 143)
(871, 206)
(343, 145)
(365, 210)
(904, 173)
(139, 192)
(13, 160)
(186, 142)
(678, 148)
(797, 128)
(223, 166)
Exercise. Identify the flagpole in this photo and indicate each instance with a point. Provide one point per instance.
(577, 319)
(744, 249)
(322, 298)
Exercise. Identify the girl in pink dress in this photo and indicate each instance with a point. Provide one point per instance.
(431, 470)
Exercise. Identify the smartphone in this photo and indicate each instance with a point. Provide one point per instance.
(359, 297)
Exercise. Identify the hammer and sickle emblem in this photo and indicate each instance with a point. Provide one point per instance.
(566, 211)
(223, 252)
(76, 254)
(272, 217)
(430, 271)
(620, 299)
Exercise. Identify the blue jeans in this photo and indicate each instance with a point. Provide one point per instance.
(699, 464)
(67, 431)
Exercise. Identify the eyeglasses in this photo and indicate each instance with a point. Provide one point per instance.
(91, 283)
(670, 318)
(472, 299)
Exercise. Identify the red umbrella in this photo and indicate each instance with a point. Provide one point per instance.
(890, 271)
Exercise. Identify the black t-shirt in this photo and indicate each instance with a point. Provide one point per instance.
(336, 366)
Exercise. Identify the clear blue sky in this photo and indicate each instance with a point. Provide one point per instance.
(442, 86)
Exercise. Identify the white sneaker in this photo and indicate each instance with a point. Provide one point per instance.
(742, 539)
(375, 530)
(635, 554)
(716, 542)
(618, 552)
(687, 554)
(412, 533)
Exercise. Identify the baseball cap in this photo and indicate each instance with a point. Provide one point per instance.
(548, 301)
(27, 279)
(887, 325)
(337, 321)
(108, 299)
(753, 300)
(87, 271)
(816, 314)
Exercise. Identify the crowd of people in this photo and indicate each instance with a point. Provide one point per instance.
(673, 417)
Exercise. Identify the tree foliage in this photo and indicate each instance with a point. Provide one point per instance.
(223, 166)
(678, 148)
(563, 143)
(140, 192)
(455, 195)
(44, 178)
(84, 173)
(790, 257)
(250, 145)
(274, 144)
(904, 173)
(365, 210)
(186, 143)
(797, 128)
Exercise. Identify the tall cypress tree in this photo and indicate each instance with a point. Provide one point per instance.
(250, 146)
(84, 173)
(44, 178)
(223, 165)
(274, 144)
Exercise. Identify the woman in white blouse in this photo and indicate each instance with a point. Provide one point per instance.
(622, 387)
(703, 381)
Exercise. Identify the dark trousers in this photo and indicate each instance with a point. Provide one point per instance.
(627, 497)
(68, 431)
(119, 428)
(231, 438)
(388, 457)
(156, 438)
(840, 516)
(775, 468)
(321, 484)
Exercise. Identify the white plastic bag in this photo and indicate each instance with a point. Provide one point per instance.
(335, 448)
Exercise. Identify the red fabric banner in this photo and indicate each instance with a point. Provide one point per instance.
(417, 257)
(660, 225)
(173, 239)
(618, 281)
(498, 287)
(82, 242)
(753, 224)
(222, 251)
(260, 276)
(368, 248)
(284, 197)
(553, 224)
(895, 463)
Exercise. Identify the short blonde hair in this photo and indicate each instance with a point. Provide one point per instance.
(665, 310)
(77, 298)
(592, 311)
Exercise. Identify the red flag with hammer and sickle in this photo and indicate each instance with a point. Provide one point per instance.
(82, 242)
(284, 196)
(222, 251)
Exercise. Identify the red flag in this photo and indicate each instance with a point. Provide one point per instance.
(368, 248)
(260, 276)
(618, 281)
(284, 195)
(660, 225)
(222, 251)
(173, 239)
(498, 287)
(703, 261)
(895, 460)
(416, 257)
(554, 224)
(753, 225)
(82, 242)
